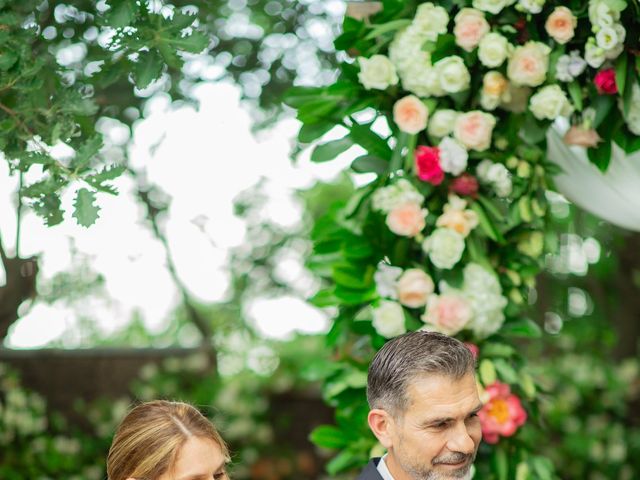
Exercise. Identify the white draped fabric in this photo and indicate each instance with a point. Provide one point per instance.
(613, 196)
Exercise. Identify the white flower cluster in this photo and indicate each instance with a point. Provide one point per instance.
(569, 67)
(530, 6)
(482, 289)
(496, 175)
(392, 196)
(413, 64)
(608, 42)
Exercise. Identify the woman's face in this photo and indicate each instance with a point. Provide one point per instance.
(198, 459)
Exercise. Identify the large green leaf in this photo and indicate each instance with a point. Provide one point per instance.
(326, 152)
(328, 436)
(86, 213)
(147, 68)
(524, 327)
(370, 164)
(370, 141)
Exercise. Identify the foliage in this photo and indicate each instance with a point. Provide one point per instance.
(65, 65)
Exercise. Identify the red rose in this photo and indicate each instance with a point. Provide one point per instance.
(465, 185)
(605, 82)
(428, 165)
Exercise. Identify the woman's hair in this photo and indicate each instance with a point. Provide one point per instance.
(149, 438)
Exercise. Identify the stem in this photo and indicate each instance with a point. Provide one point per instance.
(396, 158)
(408, 159)
(19, 214)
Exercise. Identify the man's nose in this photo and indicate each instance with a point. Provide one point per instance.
(460, 440)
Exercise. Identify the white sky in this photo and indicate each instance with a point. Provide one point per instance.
(206, 158)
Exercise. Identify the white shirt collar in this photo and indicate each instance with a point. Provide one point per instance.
(383, 470)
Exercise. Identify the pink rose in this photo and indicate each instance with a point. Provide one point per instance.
(448, 313)
(406, 220)
(470, 27)
(473, 348)
(410, 114)
(529, 64)
(428, 165)
(560, 25)
(582, 137)
(414, 288)
(605, 82)
(502, 415)
(466, 185)
(474, 129)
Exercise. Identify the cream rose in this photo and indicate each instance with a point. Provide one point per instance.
(377, 72)
(457, 218)
(470, 27)
(550, 103)
(448, 313)
(410, 114)
(529, 64)
(531, 6)
(452, 74)
(407, 220)
(444, 247)
(453, 156)
(492, 6)
(431, 20)
(414, 288)
(388, 319)
(441, 122)
(593, 54)
(561, 24)
(474, 129)
(495, 89)
(493, 50)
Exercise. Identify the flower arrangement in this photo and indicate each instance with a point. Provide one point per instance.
(451, 103)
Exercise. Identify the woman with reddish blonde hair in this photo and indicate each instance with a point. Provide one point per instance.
(162, 440)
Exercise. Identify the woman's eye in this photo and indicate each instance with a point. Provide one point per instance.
(219, 476)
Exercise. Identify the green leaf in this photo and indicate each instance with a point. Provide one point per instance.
(500, 463)
(194, 43)
(505, 371)
(121, 14)
(7, 59)
(602, 105)
(86, 213)
(109, 172)
(532, 130)
(312, 131)
(328, 436)
(86, 153)
(576, 95)
(147, 68)
(329, 151)
(391, 26)
(486, 225)
(370, 163)
(48, 207)
(621, 72)
(487, 372)
(444, 46)
(182, 20)
(523, 327)
(601, 155)
(342, 461)
(43, 188)
(370, 141)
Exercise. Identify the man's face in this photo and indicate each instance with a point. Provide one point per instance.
(437, 436)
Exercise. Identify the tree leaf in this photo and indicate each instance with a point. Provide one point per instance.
(86, 213)
(326, 152)
(121, 14)
(576, 95)
(328, 436)
(370, 141)
(601, 155)
(194, 43)
(370, 164)
(86, 153)
(621, 72)
(48, 207)
(523, 327)
(147, 68)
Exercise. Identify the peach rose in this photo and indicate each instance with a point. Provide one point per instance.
(474, 129)
(470, 27)
(456, 217)
(448, 313)
(494, 84)
(582, 137)
(414, 288)
(410, 114)
(561, 24)
(529, 64)
(406, 220)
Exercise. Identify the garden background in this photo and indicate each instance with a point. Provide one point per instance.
(209, 276)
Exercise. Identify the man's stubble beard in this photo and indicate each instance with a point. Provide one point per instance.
(417, 471)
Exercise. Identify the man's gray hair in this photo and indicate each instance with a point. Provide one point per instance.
(409, 356)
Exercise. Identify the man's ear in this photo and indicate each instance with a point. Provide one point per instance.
(383, 426)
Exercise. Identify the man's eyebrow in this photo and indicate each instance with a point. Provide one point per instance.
(434, 421)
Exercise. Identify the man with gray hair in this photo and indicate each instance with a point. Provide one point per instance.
(424, 406)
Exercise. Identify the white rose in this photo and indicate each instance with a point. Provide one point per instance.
(431, 21)
(593, 54)
(401, 192)
(414, 288)
(441, 122)
(549, 103)
(531, 6)
(492, 6)
(482, 289)
(603, 13)
(493, 50)
(444, 247)
(406, 53)
(470, 27)
(410, 114)
(500, 178)
(453, 156)
(377, 72)
(386, 278)
(474, 129)
(452, 74)
(529, 64)
(482, 170)
(388, 319)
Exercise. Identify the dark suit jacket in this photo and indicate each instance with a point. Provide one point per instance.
(370, 472)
